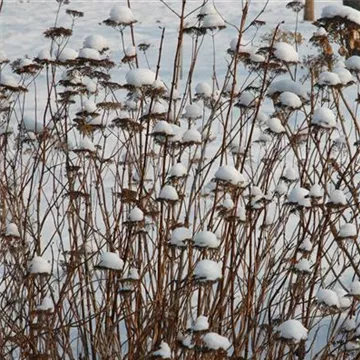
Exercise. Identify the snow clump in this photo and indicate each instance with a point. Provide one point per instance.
(214, 341)
(136, 215)
(179, 236)
(208, 270)
(201, 324)
(168, 193)
(111, 261)
(229, 174)
(122, 15)
(96, 42)
(164, 351)
(206, 239)
(328, 297)
(292, 330)
(140, 77)
(39, 265)
(324, 117)
(285, 52)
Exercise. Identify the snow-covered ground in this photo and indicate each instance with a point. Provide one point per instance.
(233, 226)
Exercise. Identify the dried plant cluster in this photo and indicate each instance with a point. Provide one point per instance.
(182, 219)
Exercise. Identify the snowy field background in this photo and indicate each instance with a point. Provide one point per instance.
(229, 271)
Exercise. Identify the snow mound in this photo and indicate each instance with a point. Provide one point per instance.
(201, 324)
(8, 80)
(329, 78)
(287, 85)
(229, 174)
(111, 261)
(324, 117)
(208, 270)
(345, 12)
(285, 52)
(214, 341)
(122, 15)
(86, 144)
(347, 231)
(344, 75)
(130, 51)
(337, 197)
(178, 170)
(290, 100)
(275, 126)
(90, 54)
(193, 111)
(136, 215)
(39, 265)
(292, 330)
(163, 128)
(203, 89)
(299, 196)
(328, 297)
(12, 230)
(179, 235)
(168, 193)
(206, 239)
(66, 54)
(212, 21)
(44, 54)
(303, 266)
(96, 42)
(353, 63)
(140, 77)
(164, 351)
(316, 191)
(355, 288)
(191, 136)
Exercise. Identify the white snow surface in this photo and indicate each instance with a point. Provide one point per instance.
(290, 100)
(213, 21)
(178, 170)
(287, 85)
(345, 12)
(12, 230)
(164, 351)
(193, 111)
(122, 15)
(228, 173)
(275, 126)
(293, 330)
(214, 341)
(111, 260)
(324, 117)
(204, 89)
(140, 77)
(66, 54)
(355, 288)
(337, 197)
(136, 215)
(329, 78)
(303, 265)
(38, 265)
(168, 193)
(285, 52)
(89, 53)
(208, 270)
(97, 42)
(179, 235)
(206, 239)
(191, 136)
(164, 128)
(347, 231)
(328, 297)
(200, 324)
(353, 63)
(299, 196)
